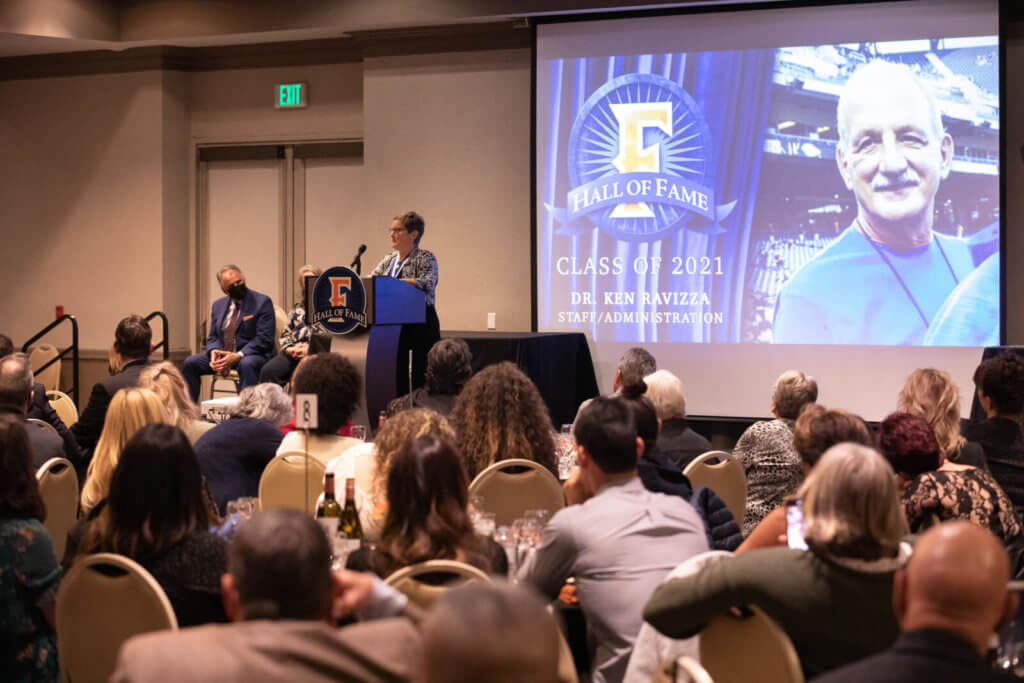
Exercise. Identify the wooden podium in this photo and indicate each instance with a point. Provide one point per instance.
(390, 304)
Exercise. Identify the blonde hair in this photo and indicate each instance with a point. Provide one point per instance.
(164, 380)
(793, 390)
(130, 410)
(397, 433)
(931, 394)
(851, 505)
(666, 393)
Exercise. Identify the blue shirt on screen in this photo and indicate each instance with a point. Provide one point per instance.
(849, 294)
(970, 316)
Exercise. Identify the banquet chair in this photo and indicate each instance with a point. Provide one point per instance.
(39, 356)
(104, 600)
(63, 406)
(283, 483)
(510, 494)
(408, 581)
(726, 478)
(44, 424)
(767, 652)
(682, 670)
(58, 486)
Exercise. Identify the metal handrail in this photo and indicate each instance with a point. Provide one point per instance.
(73, 349)
(163, 343)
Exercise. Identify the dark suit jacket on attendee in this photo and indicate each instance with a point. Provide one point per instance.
(40, 409)
(44, 443)
(679, 442)
(90, 423)
(924, 656)
(233, 454)
(1003, 443)
(387, 650)
(254, 335)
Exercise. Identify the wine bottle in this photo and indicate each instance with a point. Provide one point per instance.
(350, 531)
(328, 512)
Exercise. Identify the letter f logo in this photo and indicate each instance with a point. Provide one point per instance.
(339, 288)
(634, 118)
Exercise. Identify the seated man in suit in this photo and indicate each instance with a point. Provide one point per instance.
(241, 334)
(282, 596)
(129, 354)
(16, 382)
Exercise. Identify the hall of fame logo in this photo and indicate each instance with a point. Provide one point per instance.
(339, 300)
(641, 163)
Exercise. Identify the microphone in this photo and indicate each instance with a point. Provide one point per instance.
(356, 263)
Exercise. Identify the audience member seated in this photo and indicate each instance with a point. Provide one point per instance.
(337, 386)
(937, 489)
(165, 380)
(427, 516)
(770, 460)
(490, 632)
(29, 573)
(816, 430)
(1000, 386)
(449, 367)
(931, 394)
(676, 440)
(294, 339)
(615, 537)
(16, 383)
(659, 474)
(129, 354)
(949, 601)
(130, 410)
(282, 598)
(635, 364)
(500, 415)
(40, 409)
(156, 514)
(833, 600)
(234, 453)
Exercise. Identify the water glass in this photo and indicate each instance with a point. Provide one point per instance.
(483, 523)
(504, 537)
(358, 432)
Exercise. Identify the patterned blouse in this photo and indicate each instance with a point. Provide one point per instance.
(29, 578)
(296, 331)
(772, 467)
(970, 494)
(420, 265)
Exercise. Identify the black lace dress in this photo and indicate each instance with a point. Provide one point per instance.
(970, 494)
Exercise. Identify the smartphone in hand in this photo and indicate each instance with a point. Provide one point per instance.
(795, 526)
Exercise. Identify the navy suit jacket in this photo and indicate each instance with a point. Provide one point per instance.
(254, 335)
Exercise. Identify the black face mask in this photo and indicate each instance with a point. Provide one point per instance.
(238, 291)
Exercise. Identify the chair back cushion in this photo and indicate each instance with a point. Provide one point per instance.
(508, 495)
(37, 358)
(767, 652)
(64, 407)
(58, 485)
(726, 478)
(283, 483)
(424, 594)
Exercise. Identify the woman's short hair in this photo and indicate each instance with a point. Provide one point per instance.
(19, 490)
(337, 385)
(499, 415)
(851, 505)
(817, 429)
(909, 444)
(1001, 379)
(931, 394)
(449, 366)
(412, 221)
(131, 409)
(666, 393)
(166, 381)
(266, 401)
(793, 390)
(397, 433)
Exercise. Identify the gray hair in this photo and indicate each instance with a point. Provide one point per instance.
(793, 390)
(666, 393)
(16, 380)
(868, 76)
(635, 364)
(265, 401)
(225, 268)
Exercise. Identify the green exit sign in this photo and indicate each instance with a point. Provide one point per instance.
(291, 96)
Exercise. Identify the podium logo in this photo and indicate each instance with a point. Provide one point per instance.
(339, 301)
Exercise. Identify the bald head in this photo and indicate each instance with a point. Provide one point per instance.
(956, 581)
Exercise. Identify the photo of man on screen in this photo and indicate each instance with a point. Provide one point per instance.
(885, 277)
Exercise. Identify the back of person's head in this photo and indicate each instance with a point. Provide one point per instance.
(644, 413)
(793, 390)
(265, 401)
(666, 393)
(499, 415)
(401, 430)
(1001, 380)
(818, 428)
(449, 366)
(19, 491)
(337, 385)
(412, 222)
(851, 505)
(280, 567)
(6, 346)
(932, 394)
(16, 381)
(133, 337)
(155, 499)
(635, 364)
(166, 381)
(492, 632)
(909, 445)
(606, 429)
(130, 409)
(427, 497)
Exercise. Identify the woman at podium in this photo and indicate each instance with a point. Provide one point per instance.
(418, 267)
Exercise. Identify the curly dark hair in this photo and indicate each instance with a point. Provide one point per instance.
(909, 444)
(337, 385)
(818, 429)
(500, 415)
(19, 490)
(449, 366)
(1001, 379)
